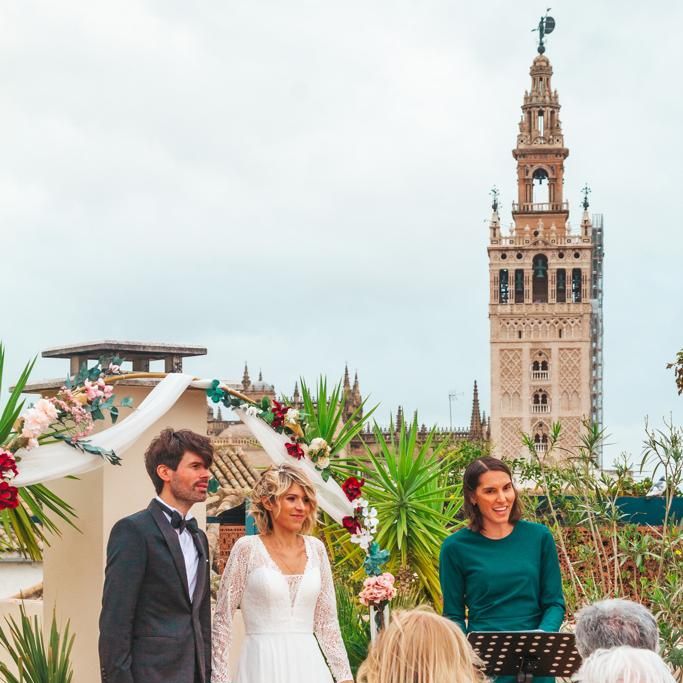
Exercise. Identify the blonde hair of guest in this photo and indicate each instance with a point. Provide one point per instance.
(271, 486)
(419, 646)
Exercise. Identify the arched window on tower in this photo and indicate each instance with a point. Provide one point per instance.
(540, 402)
(503, 286)
(540, 367)
(561, 289)
(540, 187)
(576, 285)
(541, 437)
(540, 279)
(519, 286)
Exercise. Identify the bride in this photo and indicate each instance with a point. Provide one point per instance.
(281, 579)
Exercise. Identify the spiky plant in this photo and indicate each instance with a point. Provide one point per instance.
(35, 660)
(27, 526)
(407, 482)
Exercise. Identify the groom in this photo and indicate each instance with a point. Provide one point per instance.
(155, 624)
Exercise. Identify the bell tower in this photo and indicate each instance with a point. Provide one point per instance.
(545, 307)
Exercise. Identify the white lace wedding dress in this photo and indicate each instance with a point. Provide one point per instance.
(288, 619)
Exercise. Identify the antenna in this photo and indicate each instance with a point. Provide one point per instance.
(545, 26)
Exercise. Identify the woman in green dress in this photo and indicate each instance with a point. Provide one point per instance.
(500, 573)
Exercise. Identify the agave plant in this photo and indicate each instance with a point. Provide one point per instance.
(325, 415)
(407, 483)
(34, 662)
(27, 525)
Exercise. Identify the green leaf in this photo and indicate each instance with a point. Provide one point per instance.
(126, 402)
(114, 413)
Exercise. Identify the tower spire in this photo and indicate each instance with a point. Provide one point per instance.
(476, 431)
(246, 381)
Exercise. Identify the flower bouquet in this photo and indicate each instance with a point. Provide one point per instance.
(69, 416)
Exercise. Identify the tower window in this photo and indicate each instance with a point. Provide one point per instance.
(576, 285)
(540, 279)
(540, 121)
(561, 286)
(503, 286)
(519, 286)
(540, 191)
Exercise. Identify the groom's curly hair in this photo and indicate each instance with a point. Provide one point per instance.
(168, 449)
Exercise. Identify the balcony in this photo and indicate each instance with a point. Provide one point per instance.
(542, 207)
(540, 408)
(540, 375)
(541, 447)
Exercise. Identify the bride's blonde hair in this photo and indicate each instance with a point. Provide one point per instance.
(419, 646)
(271, 486)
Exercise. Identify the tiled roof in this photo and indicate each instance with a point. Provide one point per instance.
(231, 469)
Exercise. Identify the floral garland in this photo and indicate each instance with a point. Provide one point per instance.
(69, 416)
(378, 588)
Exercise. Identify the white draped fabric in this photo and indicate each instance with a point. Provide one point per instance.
(53, 461)
(331, 498)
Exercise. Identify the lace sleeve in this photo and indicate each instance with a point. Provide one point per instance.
(326, 624)
(228, 600)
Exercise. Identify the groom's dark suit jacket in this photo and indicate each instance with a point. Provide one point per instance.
(150, 631)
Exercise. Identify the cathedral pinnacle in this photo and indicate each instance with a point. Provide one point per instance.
(246, 380)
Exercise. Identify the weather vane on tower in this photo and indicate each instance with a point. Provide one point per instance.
(545, 26)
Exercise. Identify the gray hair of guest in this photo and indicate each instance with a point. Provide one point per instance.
(610, 623)
(624, 664)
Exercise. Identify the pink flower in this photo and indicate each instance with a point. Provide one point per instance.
(114, 369)
(48, 409)
(377, 589)
(91, 390)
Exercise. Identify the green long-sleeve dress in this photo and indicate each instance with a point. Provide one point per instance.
(508, 584)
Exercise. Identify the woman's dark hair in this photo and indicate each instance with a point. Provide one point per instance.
(168, 449)
(470, 481)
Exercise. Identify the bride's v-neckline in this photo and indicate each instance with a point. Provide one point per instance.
(277, 567)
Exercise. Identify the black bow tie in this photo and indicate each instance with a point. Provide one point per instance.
(179, 522)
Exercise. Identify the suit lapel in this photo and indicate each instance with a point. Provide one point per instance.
(171, 537)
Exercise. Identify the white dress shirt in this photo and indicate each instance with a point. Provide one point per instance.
(189, 549)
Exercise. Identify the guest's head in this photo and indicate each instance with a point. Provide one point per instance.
(419, 646)
(489, 494)
(284, 498)
(178, 464)
(624, 664)
(610, 623)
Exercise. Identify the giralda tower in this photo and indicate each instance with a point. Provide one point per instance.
(545, 306)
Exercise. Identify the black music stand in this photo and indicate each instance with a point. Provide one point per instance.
(526, 654)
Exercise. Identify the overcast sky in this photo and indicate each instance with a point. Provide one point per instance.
(304, 184)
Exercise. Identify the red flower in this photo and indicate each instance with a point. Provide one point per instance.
(295, 450)
(9, 496)
(351, 524)
(279, 411)
(7, 464)
(352, 488)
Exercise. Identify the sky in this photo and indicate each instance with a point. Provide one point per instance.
(302, 185)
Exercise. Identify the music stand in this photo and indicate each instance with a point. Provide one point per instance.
(526, 654)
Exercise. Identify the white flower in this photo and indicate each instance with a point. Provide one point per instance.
(319, 444)
(292, 416)
(252, 411)
(360, 503)
(8, 475)
(322, 462)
